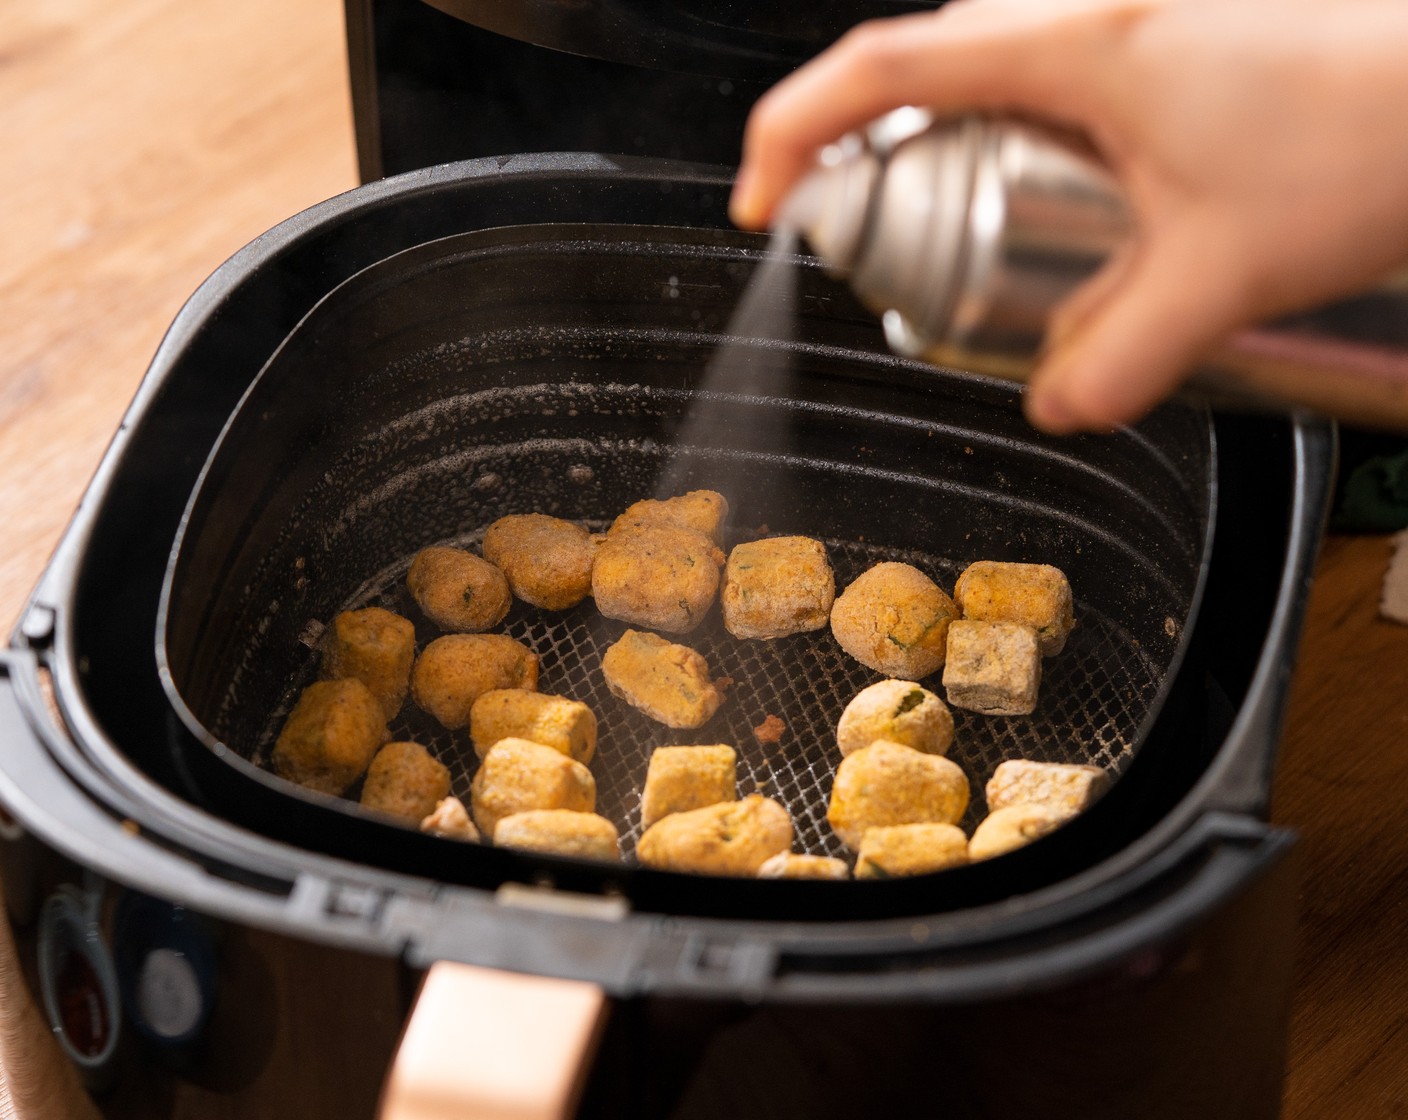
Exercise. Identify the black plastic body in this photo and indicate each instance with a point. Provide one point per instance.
(458, 79)
(1173, 951)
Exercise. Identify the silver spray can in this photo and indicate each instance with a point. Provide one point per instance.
(964, 234)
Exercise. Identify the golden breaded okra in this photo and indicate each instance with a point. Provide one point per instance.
(898, 712)
(993, 667)
(679, 779)
(330, 736)
(516, 776)
(776, 587)
(520, 713)
(376, 646)
(1064, 787)
(894, 619)
(457, 590)
(910, 849)
(670, 683)
(1012, 827)
(731, 838)
(562, 832)
(1036, 595)
(405, 781)
(887, 783)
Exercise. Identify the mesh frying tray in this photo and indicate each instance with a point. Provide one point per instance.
(553, 369)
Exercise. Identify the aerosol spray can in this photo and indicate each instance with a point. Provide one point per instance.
(964, 234)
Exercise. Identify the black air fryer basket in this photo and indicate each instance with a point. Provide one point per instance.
(402, 365)
(548, 368)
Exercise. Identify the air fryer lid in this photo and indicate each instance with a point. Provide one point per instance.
(550, 368)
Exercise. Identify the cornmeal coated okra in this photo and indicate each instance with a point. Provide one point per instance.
(670, 683)
(776, 587)
(910, 849)
(405, 781)
(788, 865)
(659, 575)
(993, 667)
(330, 736)
(450, 819)
(1061, 786)
(732, 838)
(520, 713)
(1036, 595)
(898, 712)
(561, 832)
(453, 671)
(375, 646)
(679, 779)
(704, 511)
(1012, 827)
(457, 590)
(894, 619)
(547, 561)
(516, 776)
(886, 783)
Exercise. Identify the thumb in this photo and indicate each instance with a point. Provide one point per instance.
(1135, 335)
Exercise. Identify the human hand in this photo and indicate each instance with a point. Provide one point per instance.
(1263, 145)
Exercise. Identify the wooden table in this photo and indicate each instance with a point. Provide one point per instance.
(145, 141)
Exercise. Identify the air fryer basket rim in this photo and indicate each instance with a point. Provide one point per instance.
(103, 766)
(435, 251)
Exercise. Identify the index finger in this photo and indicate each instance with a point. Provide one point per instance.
(1014, 56)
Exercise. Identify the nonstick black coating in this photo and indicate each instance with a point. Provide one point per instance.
(552, 369)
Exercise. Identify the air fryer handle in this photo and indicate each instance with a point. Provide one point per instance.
(488, 1045)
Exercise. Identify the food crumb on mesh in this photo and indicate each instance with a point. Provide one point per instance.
(770, 731)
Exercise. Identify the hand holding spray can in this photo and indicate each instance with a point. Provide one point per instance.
(965, 234)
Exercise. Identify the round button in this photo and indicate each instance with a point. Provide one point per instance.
(169, 997)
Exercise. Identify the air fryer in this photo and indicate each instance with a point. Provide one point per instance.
(1086, 976)
(457, 79)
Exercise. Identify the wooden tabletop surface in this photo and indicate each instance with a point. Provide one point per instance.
(141, 143)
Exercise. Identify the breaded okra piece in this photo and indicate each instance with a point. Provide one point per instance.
(704, 511)
(898, 712)
(788, 865)
(886, 783)
(450, 819)
(561, 832)
(375, 646)
(516, 776)
(776, 587)
(679, 779)
(453, 671)
(1061, 786)
(659, 575)
(457, 590)
(330, 736)
(894, 619)
(670, 683)
(993, 667)
(1011, 827)
(910, 849)
(1036, 595)
(405, 781)
(547, 561)
(520, 713)
(731, 838)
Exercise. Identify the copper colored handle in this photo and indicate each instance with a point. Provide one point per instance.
(487, 1045)
(1349, 380)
